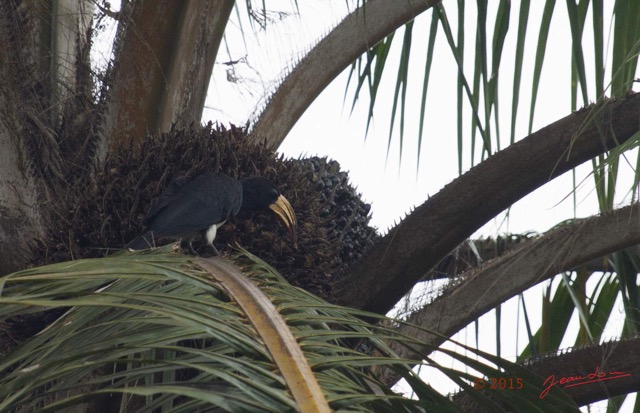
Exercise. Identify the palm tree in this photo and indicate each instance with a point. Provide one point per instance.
(60, 122)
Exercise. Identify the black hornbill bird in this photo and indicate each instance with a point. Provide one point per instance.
(198, 206)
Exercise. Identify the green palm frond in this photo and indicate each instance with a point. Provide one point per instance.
(177, 333)
(136, 316)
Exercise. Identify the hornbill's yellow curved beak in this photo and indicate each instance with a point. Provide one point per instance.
(285, 213)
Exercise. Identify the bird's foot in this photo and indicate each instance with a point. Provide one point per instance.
(187, 247)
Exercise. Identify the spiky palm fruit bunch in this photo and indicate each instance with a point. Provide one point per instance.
(101, 213)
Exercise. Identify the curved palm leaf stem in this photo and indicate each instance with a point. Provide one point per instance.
(357, 33)
(435, 228)
(273, 330)
(485, 287)
(534, 261)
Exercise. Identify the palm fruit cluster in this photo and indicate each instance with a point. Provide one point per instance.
(104, 211)
(346, 220)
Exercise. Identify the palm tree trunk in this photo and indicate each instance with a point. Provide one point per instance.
(43, 51)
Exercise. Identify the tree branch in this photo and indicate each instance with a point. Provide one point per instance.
(164, 57)
(474, 252)
(464, 257)
(489, 285)
(358, 32)
(436, 227)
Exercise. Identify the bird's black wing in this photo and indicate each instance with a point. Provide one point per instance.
(207, 199)
(165, 198)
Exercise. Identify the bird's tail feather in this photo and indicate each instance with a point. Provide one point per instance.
(141, 242)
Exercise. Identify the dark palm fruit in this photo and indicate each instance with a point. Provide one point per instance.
(103, 211)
